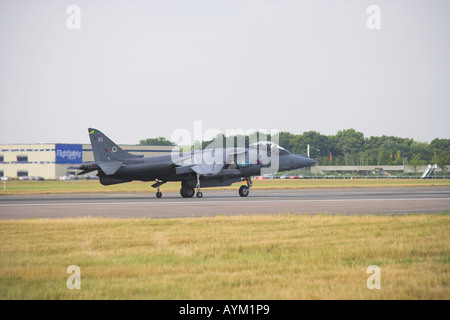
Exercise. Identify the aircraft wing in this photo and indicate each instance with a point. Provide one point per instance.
(194, 163)
(208, 169)
(183, 159)
(203, 169)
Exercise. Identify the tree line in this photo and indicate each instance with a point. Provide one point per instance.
(348, 147)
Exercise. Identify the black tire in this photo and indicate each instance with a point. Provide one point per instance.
(199, 194)
(188, 192)
(244, 191)
(159, 194)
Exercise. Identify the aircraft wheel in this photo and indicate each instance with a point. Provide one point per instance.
(159, 194)
(189, 192)
(244, 191)
(199, 194)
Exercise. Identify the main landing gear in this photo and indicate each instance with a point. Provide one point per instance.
(245, 189)
(187, 191)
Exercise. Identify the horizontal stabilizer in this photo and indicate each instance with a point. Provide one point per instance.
(88, 167)
(85, 171)
(110, 167)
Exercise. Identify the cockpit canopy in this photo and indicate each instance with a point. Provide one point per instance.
(268, 146)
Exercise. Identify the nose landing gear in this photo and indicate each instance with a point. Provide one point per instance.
(245, 190)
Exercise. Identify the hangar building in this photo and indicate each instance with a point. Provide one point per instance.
(53, 161)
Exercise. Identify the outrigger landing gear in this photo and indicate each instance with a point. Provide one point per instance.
(245, 190)
(157, 185)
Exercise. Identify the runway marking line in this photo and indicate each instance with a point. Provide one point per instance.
(211, 202)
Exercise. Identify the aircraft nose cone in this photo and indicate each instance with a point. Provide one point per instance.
(311, 162)
(303, 161)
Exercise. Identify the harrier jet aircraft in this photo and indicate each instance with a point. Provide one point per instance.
(207, 168)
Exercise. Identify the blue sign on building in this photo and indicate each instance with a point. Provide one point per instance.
(69, 153)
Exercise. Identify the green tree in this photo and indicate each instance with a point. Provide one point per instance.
(440, 145)
(442, 161)
(285, 139)
(374, 150)
(383, 157)
(398, 160)
(416, 161)
(319, 144)
(350, 141)
(422, 149)
(160, 141)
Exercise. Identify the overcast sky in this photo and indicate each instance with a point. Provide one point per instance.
(140, 69)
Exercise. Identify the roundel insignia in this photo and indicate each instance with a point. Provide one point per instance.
(114, 149)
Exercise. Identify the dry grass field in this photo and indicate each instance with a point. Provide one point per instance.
(238, 257)
(89, 186)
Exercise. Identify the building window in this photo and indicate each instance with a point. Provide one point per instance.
(22, 173)
(2, 158)
(1, 173)
(22, 158)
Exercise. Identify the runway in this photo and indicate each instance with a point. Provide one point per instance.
(389, 200)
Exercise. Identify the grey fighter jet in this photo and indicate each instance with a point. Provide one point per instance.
(215, 167)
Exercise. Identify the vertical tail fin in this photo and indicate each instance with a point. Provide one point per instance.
(104, 149)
